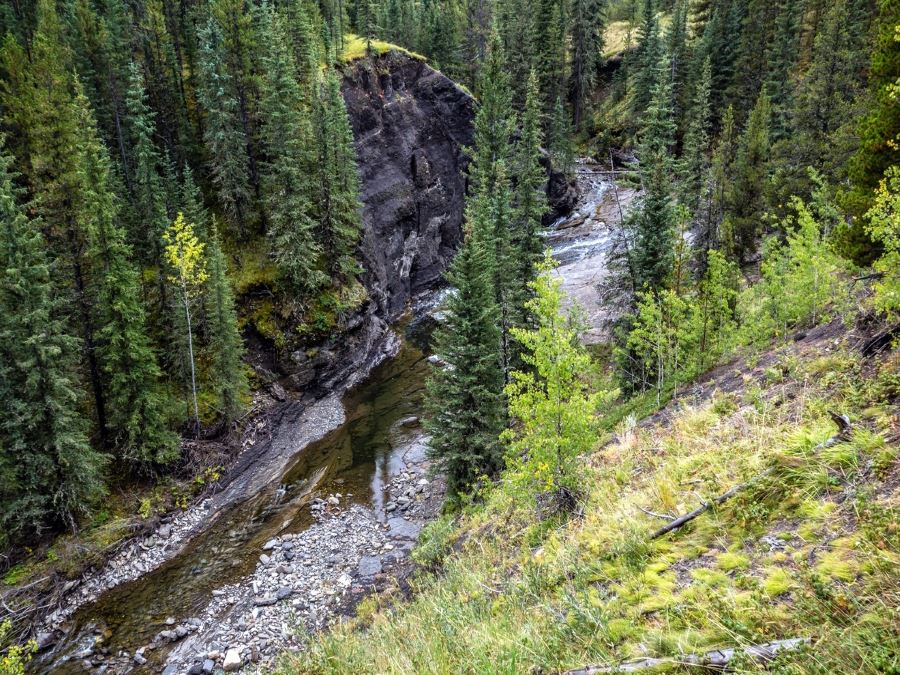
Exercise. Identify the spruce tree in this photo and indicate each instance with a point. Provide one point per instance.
(745, 196)
(694, 165)
(227, 371)
(464, 401)
(781, 58)
(528, 199)
(57, 475)
(223, 133)
(136, 406)
(287, 174)
(338, 209)
(149, 196)
(652, 223)
(646, 59)
(585, 46)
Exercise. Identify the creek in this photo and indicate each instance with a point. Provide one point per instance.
(356, 460)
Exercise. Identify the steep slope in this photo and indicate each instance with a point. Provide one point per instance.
(807, 551)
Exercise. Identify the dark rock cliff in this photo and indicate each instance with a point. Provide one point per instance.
(411, 125)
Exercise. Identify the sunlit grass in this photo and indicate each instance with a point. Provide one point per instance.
(356, 47)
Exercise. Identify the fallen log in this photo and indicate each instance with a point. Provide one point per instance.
(844, 429)
(714, 660)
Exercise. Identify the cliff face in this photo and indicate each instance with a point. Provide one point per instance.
(411, 124)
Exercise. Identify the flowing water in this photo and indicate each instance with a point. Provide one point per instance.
(355, 459)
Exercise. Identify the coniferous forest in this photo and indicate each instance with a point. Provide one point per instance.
(179, 184)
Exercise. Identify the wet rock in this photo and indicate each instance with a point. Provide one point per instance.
(269, 545)
(369, 565)
(140, 659)
(208, 666)
(170, 670)
(333, 501)
(264, 559)
(409, 421)
(232, 661)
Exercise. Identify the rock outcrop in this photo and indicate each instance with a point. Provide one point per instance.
(411, 126)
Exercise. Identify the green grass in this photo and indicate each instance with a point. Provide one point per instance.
(355, 47)
(502, 591)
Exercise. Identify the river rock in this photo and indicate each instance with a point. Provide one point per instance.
(369, 565)
(334, 501)
(232, 661)
(264, 559)
(269, 545)
(284, 592)
(409, 421)
(208, 666)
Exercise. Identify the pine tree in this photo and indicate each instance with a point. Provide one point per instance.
(228, 373)
(550, 59)
(562, 151)
(135, 404)
(678, 55)
(149, 195)
(694, 165)
(185, 256)
(223, 134)
(464, 402)
(652, 224)
(528, 200)
(745, 197)
(646, 59)
(338, 208)
(720, 175)
(494, 122)
(585, 47)
(57, 475)
(287, 182)
(781, 58)
(190, 201)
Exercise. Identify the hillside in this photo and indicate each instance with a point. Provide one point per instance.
(808, 550)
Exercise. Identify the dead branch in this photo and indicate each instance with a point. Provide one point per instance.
(661, 516)
(715, 660)
(844, 429)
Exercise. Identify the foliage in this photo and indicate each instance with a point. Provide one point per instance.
(884, 228)
(16, 658)
(554, 412)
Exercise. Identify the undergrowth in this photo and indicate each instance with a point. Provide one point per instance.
(810, 549)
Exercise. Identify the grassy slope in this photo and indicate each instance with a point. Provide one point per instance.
(810, 551)
(355, 48)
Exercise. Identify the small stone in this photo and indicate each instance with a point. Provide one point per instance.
(165, 531)
(403, 500)
(391, 506)
(283, 592)
(344, 580)
(409, 421)
(269, 545)
(232, 661)
(181, 631)
(208, 666)
(170, 670)
(195, 669)
(265, 601)
(264, 559)
(334, 501)
(140, 659)
(170, 621)
(423, 482)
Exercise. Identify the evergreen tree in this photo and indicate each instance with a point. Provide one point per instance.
(562, 151)
(191, 204)
(287, 137)
(745, 197)
(781, 57)
(585, 47)
(464, 402)
(549, 43)
(646, 59)
(494, 122)
(528, 200)
(149, 195)
(338, 209)
(652, 224)
(136, 406)
(223, 134)
(694, 165)
(56, 473)
(227, 371)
